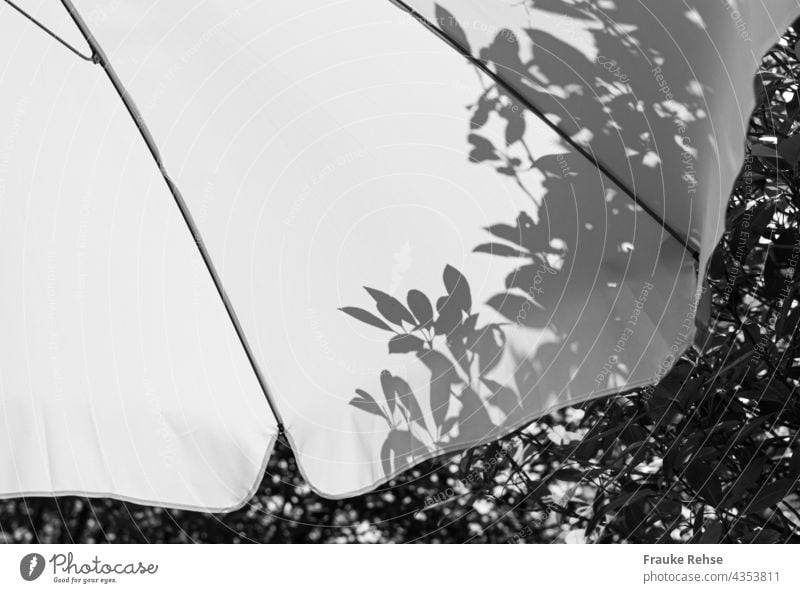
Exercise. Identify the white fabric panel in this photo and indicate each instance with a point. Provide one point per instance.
(661, 92)
(323, 147)
(120, 373)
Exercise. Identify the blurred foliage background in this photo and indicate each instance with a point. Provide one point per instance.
(708, 455)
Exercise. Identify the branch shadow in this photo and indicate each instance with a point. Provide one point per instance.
(580, 245)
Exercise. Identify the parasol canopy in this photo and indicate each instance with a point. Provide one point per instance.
(388, 230)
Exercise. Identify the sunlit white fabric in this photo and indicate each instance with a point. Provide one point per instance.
(324, 147)
(120, 373)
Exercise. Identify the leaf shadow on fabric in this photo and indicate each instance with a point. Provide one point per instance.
(612, 92)
(571, 256)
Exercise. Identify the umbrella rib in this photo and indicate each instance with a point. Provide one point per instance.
(51, 33)
(480, 65)
(99, 57)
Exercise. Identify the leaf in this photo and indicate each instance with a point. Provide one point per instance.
(386, 457)
(443, 375)
(627, 498)
(763, 151)
(392, 309)
(420, 306)
(765, 83)
(400, 449)
(488, 343)
(761, 536)
(448, 425)
(449, 24)
(449, 316)
(407, 398)
(704, 482)
(697, 526)
(499, 249)
(745, 431)
(794, 465)
(405, 343)
(532, 239)
(507, 170)
(440, 400)
(771, 495)
(519, 309)
(458, 349)
(481, 114)
(594, 520)
(458, 288)
(515, 129)
(367, 403)
(469, 326)
(473, 416)
(712, 534)
(634, 516)
(568, 474)
(789, 149)
(667, 510)
(586, 449)
(502, 397)
(536, 279)
(388, 390)
(366, 317)
(743, 482)
(507, 232)
(482, 149)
